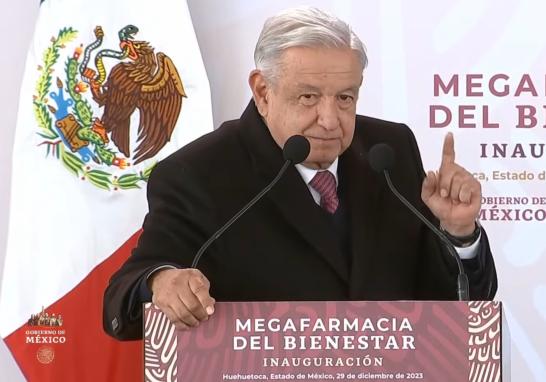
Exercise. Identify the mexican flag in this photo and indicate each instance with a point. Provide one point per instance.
(110, 88)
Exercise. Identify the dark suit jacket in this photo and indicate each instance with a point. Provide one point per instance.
(285, 248)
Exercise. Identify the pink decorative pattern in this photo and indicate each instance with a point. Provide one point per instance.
(160, 347)
(484, 345)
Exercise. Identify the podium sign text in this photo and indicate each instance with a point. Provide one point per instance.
(323, 341)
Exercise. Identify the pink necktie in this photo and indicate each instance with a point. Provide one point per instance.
(324, 183)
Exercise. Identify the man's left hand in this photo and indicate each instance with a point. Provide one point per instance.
(452, 194)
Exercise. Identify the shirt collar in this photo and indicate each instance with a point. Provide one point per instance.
(309, 173)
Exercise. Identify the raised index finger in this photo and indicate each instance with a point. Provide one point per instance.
(448, 151)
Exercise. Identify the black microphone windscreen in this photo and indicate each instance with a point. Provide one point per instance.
(296, 149)
(381, 157)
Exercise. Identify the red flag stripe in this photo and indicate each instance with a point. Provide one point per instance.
(88, 353)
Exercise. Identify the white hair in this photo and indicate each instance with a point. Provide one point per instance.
(302, 27)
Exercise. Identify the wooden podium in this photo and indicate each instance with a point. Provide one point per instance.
(437, 341)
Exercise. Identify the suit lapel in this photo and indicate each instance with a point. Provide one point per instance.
(291, 195)
(361, 187)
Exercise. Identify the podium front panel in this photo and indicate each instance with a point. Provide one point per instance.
(322, 341)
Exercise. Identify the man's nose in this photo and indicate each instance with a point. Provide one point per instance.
(328, 113)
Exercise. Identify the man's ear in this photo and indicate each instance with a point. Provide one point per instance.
(260, 88)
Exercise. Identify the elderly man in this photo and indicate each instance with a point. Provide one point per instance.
(330, 229)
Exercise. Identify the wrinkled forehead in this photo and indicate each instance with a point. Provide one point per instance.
(304, 66)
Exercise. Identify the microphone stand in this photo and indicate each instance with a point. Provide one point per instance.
(254, 200)
(462, 279)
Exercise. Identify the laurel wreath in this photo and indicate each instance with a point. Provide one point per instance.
(84, 114)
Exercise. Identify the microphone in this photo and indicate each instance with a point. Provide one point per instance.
(381, 158)
(295, 150)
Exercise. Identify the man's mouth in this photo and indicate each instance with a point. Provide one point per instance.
(323, 138)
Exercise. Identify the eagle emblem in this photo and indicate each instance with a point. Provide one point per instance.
(100, 143)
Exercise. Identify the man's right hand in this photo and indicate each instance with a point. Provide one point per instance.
(183, 295)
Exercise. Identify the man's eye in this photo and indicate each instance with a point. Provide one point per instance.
(345, 99)
(308, 99)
